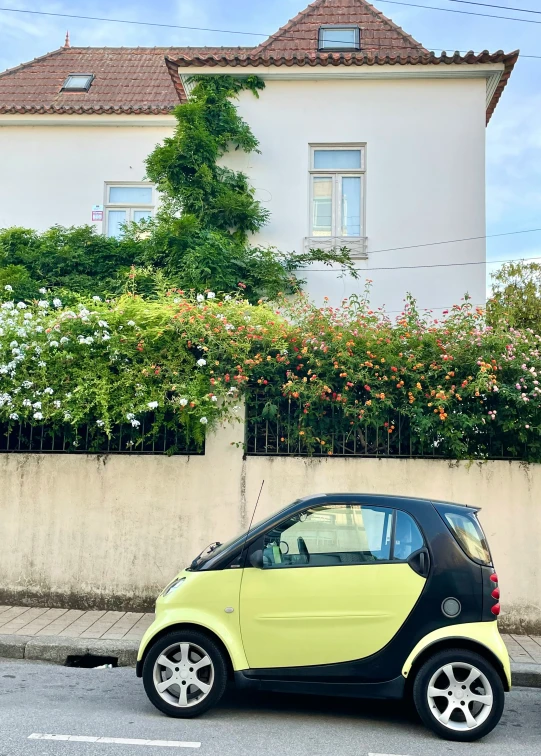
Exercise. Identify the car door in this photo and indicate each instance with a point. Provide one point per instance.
(328, 588)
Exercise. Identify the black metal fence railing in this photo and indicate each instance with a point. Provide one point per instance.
(86, 439)
(282, 431)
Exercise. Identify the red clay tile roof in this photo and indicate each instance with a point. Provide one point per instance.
(300, 34)
(126, 80)
(147, 81)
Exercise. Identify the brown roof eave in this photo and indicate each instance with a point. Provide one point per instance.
(359, 59)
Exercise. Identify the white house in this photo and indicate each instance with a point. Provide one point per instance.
(367, 141)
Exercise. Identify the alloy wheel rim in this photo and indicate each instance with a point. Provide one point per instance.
(183, 674)
(460, 696)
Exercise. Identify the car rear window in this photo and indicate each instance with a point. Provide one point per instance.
(468, 532)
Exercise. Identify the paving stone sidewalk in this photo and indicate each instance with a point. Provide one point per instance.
(73, 623)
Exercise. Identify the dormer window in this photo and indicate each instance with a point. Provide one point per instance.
(346, 37)
(77, 83)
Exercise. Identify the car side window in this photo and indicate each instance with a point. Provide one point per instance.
(408, 538)
(330, 535)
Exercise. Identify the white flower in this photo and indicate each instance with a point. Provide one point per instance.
(130, 323)
(53, 343)
(14, 344)
(48, 390)
(183, 402)
(57, 403)
(105, 337)
(43, 303)
(203, 420)
(67, 415)
(7, 287)
(27, 403)
(21, 306)
(14, 416)
(152, 405)
(200, 297)
(68, 395)
(96, 299)
(39, 329)
(37, 405)
(213, 398)
(41, 363)
(43, 290)
(8, 306)
(229, 327)
(100, 423)
(135, 423)
(57, 302)
(28, 316)
(38, 416)
(201, 362)
(103, 324)
(227, 298)
(130, 416)
(211, 295)
(64, 340)
(495, 388)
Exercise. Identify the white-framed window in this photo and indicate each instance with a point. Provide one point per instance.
(337, 191)
(340, 37)
(127, 202)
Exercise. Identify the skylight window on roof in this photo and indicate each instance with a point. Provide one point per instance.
(339, 38)
(78, 83)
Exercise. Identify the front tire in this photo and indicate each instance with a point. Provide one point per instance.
(459, 695)
(184, 674)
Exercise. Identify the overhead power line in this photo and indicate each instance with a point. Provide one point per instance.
(435, 265)
(244, 33)
(491, 5)
(462, 12)
(208, 29)
(456, 241)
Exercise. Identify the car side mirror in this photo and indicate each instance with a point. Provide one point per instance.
(256, 559)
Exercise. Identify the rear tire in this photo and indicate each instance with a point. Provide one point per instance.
(459, 695)
(184, 674)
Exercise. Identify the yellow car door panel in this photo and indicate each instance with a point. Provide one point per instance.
(308, 615)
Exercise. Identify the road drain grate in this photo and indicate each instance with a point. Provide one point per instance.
(90, 661)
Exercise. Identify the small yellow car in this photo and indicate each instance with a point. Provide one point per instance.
(339, 594)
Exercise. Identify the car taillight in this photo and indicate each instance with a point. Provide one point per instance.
(495, 593)
(495, 609)
(494, 578)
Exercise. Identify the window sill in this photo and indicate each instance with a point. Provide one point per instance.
(357, 245)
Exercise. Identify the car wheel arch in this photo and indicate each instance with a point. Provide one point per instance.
(188, 626)
(462, 643)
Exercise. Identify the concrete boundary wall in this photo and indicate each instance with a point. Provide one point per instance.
(87, 531)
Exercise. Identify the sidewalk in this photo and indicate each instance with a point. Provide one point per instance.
(55, 634)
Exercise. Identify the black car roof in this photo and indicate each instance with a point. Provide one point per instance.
(389, 499)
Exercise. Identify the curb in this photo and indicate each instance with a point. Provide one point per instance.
(56, 649)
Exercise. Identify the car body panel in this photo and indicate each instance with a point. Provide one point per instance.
(323, 615)
(203, 600)
(486, 634)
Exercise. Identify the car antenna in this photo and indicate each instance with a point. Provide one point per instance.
(253, 515)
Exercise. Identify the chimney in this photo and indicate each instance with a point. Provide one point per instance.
(67, 42)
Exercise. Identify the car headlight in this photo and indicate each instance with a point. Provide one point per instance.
(173, 586)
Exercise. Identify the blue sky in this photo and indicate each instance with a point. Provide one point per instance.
(514, 133)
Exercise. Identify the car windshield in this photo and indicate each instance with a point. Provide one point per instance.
(468, 532)
(216, 548)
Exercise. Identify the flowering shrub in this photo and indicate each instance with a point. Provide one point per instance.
(174, 361)
(466, 390)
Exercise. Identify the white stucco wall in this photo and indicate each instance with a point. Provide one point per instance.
(425, 179)
(54, 174)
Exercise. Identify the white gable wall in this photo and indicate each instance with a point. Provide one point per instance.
(425, 179)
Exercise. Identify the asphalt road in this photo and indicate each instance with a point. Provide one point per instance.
(38, 698)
